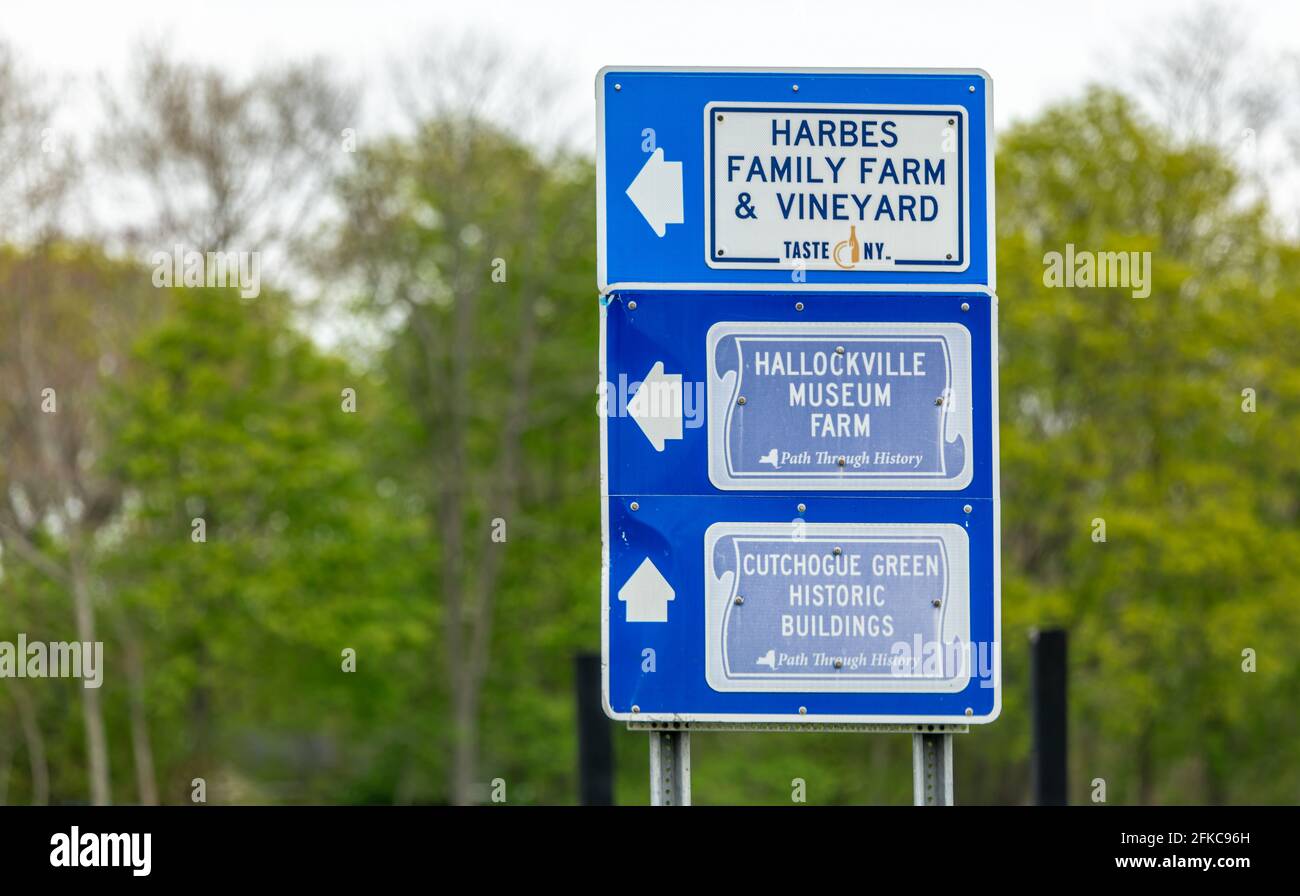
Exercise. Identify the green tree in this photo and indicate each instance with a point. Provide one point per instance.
(1130, 410)
(255, 549)
(66, 312)
(473, 256)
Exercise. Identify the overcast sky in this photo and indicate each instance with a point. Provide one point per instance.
(1036, 51)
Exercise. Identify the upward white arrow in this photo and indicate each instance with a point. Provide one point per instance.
(657, 406)
(656, 191)
(646, 594)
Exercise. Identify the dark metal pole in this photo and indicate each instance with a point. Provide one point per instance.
(595, 743)
(1048, 697)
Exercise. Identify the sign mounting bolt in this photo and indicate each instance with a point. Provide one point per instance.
(798, 306)
(971, 88)
(635, 506)
(839, 664)
(965, 306)
(620, 87)
(936, 602)
(795, 88)
(803, 710)
(841, 461)
(801, 508)
(631, 306)
(839, 349)
(969, 711)
(967, 508)
(837, 551)
(739, 600)
(740, 400)
(939, 400)
(636, 708)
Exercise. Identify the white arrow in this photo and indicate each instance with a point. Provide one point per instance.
(657, 406)
(657, 192)
(646, 594)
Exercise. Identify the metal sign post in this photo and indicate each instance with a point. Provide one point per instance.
(932, 769)
(670, 768)
(799, 417)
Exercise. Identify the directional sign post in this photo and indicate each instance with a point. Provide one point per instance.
(799, 406)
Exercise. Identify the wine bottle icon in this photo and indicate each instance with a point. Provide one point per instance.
(854, 247)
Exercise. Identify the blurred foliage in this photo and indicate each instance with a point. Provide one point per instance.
(491, 348)
(1131, 410)
(229, 416)
(328, 530)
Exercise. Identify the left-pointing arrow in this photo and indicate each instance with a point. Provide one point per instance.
(647, 594)
(657, 406)
(656, 191)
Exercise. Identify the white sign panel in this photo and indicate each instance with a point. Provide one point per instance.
(836, 187)
(830, 405)
(837, 607)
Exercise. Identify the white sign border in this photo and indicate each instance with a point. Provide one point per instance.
(846, 482)
(956, 616)
(900, 108)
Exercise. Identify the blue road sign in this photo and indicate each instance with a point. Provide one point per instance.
(821, 179)
(879, 392)
(856, 591)
(799, 401)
